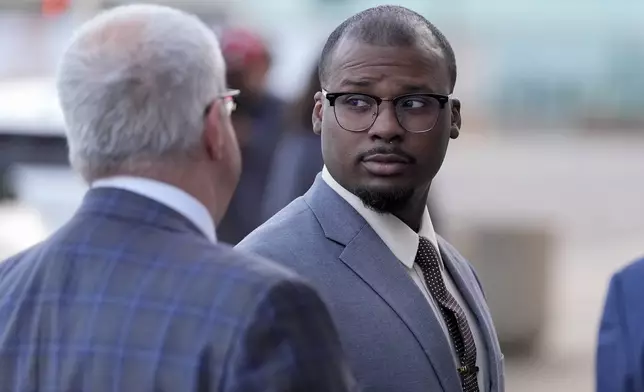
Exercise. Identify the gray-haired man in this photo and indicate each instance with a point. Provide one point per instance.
(133, 293)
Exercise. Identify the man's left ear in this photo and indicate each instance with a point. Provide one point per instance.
(316, 116)
(212, 133)
(455, 128)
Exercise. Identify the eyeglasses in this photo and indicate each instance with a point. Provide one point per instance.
(229, 102)
(415, 113)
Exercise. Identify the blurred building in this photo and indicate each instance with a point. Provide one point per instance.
(523, 65)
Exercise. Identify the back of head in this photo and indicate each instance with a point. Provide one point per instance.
(133, 86)
(388, 25)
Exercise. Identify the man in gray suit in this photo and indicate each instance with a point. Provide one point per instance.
(133, 293)
(410, 311)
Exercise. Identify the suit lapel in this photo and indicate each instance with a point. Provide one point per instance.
(466, 282)
(369, 258)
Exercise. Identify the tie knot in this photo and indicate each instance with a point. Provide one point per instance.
(425, 242)
(427, 254)
(426, 246)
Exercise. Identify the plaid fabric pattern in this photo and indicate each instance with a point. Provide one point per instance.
(129, 296)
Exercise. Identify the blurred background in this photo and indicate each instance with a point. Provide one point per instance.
(543, 191)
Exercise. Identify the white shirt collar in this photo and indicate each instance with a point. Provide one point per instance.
(168, 195)
(399, 238)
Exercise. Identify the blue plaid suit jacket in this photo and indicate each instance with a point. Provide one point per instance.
(129, 296)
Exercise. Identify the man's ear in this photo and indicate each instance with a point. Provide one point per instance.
(455, 128)
(318, 111)
(213, 131)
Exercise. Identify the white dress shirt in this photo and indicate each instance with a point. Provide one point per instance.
(403, 243)
(168, 195)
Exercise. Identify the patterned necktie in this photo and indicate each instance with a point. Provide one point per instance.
(459, 331)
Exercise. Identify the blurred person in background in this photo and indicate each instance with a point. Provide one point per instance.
(134, 293)
(298, 158)
(410, 309)
(620, 350)
(259, 122)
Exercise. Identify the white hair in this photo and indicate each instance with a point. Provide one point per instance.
(134, 84)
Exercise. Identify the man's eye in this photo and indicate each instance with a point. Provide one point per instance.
(413, 103)
(358, 101)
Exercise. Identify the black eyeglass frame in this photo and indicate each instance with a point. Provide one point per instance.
(332, 97)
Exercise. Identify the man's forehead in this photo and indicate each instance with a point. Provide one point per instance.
(348, 61)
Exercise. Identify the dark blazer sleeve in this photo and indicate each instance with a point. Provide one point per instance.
(289, 344)
(612, 371)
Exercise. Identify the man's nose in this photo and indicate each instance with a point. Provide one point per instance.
(386, 126)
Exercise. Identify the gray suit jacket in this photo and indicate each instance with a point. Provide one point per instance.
(387, 328)
(130, 296)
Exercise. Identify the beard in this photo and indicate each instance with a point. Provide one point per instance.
(384, 201)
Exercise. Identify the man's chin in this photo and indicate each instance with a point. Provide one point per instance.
(384, 199)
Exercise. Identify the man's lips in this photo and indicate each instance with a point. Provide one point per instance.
(385, 165)
(386, 158)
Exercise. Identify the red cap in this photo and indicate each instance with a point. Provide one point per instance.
(241, 47)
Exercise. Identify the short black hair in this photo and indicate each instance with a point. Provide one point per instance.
(387, 25)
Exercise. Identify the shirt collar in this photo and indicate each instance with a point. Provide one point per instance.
(168, 195)
(397, 236)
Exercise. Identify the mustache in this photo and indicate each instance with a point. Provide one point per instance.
(387, 150)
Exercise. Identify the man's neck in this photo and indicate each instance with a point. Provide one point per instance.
(412, 213)
(178, 178)
(411, 218)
